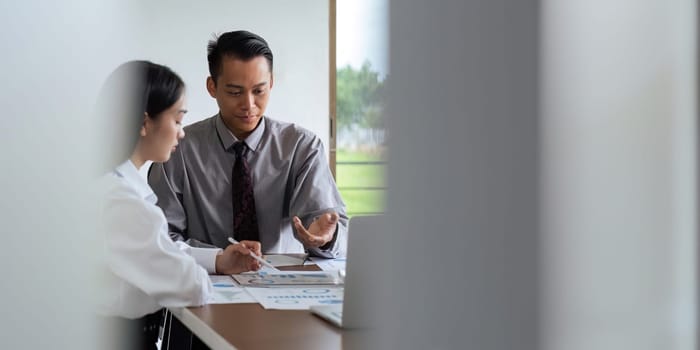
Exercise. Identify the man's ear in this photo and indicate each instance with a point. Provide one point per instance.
(211, 87)
(272, 80)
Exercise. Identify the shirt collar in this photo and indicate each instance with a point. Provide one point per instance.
(228, 139)
(131, 175)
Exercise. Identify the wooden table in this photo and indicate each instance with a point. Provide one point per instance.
(250, 326)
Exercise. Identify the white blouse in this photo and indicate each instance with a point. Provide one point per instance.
(144, 269)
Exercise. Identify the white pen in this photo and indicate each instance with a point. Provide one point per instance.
(259, 259)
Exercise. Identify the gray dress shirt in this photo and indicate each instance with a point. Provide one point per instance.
(290, 175)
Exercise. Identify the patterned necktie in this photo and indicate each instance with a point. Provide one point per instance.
(245, 221)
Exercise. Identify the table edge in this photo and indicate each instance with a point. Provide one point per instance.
(199, 328)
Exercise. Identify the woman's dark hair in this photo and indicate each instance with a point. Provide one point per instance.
(131, 91)
(163, 88)
(241, 44)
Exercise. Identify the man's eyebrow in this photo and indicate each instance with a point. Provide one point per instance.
(234, 86)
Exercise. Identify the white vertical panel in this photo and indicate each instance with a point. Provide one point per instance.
(462, 197)
(618, 102)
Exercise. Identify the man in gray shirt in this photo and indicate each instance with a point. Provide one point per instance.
(296, 202)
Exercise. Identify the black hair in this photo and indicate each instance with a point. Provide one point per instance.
(132, 90)
(241, 44)
(162, 90)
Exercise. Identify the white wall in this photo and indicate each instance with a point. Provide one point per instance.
(55, 57)
(177, 32)
(618, 148)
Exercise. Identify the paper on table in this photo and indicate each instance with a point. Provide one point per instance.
(284, 260)
(329, 264)
(296, 298)
(289, 278)
(227, 292)
(222, 281)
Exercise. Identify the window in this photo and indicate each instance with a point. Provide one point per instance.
(361, 73)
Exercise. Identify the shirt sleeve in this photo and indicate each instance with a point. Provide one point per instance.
(140, 252)
(166, 180)
(206, 257)
(316, 193)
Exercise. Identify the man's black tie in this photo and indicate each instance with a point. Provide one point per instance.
(245, 221)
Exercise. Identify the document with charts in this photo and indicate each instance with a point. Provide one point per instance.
(296, 298)
(227, 292)
(289, 278)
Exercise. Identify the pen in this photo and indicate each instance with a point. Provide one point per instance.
(259, 259)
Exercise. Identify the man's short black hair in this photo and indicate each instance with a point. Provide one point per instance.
(240, 44)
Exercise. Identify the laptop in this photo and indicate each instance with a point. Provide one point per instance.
(362, 279)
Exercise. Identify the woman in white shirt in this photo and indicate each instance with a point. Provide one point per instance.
(145, 269)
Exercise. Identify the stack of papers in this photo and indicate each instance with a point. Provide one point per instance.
(284, 290)
(289, 278)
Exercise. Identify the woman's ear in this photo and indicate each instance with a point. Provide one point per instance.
(145, 125)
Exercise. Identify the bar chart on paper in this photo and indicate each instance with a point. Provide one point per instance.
(227, 292)
(296, 298)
